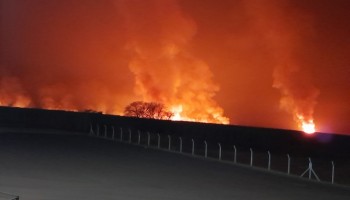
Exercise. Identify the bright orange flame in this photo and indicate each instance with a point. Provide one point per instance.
(20, 102)
(214, 116)
(308, 126)
(177, 113)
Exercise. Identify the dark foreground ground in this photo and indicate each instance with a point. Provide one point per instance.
(64, 167)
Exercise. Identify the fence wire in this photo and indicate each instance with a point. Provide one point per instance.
(291, 164)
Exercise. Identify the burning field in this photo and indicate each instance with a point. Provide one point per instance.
(269, 63)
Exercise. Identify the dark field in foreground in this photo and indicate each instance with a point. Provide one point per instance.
(62, 167)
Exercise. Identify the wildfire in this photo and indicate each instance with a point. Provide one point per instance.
(177, 110)
(158, 41)
(211, 117)
(165, 69)
(308, 126)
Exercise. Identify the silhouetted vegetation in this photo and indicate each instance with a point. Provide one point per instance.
(92, 111)
(149, 110)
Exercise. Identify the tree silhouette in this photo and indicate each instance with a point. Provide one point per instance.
(150, 110)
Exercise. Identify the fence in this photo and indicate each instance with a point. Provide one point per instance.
(317, 169)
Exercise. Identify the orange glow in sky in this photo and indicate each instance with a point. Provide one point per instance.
(258, 63)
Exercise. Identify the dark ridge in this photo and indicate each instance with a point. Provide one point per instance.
(326, 145)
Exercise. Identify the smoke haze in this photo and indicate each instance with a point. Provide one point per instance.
(165, 71)
(64, 55)
(283, 36)
(259, 63)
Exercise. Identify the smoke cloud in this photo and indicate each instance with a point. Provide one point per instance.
(283, 30)
(63, 55)
(264, 62)
(75, 55)
(165, 71)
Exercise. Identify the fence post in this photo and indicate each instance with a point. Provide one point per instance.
(235, 154)
(269, 163)
(169, 142)
(310, 167)
(113, 136)
(219, 151)
(148, 138)
(180, 145)
(206, 149)
(138, 137)
(97, 130)
(332, 172)
(192, 147)
(129, 135)
(121, 134)
(311, 171)
(288, 168)
(91, 130)
(251, 157)
(105, 130)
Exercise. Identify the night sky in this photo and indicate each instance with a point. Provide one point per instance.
(255, 62)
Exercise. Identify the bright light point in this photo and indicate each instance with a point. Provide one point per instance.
(308, 127)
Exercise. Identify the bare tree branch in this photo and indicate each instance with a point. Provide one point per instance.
(151, 110)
